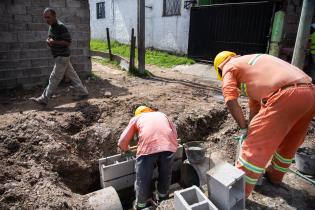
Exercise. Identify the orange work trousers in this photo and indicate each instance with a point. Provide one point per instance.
(276, 132)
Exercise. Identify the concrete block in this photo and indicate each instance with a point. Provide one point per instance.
(36, 19)
(35, 54)
(76, 52)
(73, 3)
(7, 74)
(44, 3)
(116, 166)
(81, 36)
(57, 3)
(192, 198)
(7, 18)
(4, 27)
(8, 37)
(36, 11)
(15, 64)
(32, 72)
(226, 187)
(16, 9)
(23, 18)
(80, 59)
(23, 2)
(28, 80)
(37, 45)
(9, 55)
(7, 83)
(31, 36)
(17, 27)
(39, 62)
(4, 47)
(83, 44)
(37, 27)
(17, 46)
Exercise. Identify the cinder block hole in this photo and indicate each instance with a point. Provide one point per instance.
(192, 197)
(203, 206)
(236, 192)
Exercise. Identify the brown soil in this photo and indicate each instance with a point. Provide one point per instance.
(49, 155)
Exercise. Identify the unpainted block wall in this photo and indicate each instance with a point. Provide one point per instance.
(25, 60)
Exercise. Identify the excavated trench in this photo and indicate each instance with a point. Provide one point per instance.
(61, 150)
(85, 178)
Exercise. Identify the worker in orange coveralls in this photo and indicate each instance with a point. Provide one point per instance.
(281, 103)
(157, 144)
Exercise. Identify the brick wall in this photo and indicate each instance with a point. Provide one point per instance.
(25, 60)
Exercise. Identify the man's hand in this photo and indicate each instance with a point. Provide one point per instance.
(242, 136)
(236, 112)
(49, 42)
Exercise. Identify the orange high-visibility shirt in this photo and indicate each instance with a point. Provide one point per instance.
(263, 74)
(156, 133)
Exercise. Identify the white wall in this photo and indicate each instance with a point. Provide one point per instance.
(164, 33)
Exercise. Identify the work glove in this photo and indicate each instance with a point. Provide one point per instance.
(242, 136)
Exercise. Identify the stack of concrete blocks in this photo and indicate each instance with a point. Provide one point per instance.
(25, 59)
(192, 198)
(119, 171)
(226, 187)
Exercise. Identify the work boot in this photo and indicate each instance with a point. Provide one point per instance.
(40, 100)
(81, 97)
(135, 207)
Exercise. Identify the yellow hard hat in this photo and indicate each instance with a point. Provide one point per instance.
(142, 109)
(220, 58)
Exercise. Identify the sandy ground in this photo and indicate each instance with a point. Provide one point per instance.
(49, 154)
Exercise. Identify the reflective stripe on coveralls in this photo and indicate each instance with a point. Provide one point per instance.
(269, 136)
(254, 59)
(243, 89)
(281, 163)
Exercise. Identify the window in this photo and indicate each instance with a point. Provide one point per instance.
(100, 10)
(171, 7)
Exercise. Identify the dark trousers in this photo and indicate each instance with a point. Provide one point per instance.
(144, 170)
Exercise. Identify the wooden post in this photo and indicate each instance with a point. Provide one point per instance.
(303, 33)
(132, 51)
(108, 44)
(141, 36)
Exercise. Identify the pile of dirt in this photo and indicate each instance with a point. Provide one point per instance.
(49, 155)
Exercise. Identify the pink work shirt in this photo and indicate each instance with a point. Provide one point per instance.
(156, 133)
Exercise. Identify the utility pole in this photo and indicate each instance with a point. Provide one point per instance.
(303, 33)
(141, 36)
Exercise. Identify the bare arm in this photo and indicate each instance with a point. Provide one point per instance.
(60, 43)
(127, 135)
(236, 112)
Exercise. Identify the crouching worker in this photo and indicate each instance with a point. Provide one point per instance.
(157, 144)
(281, 103)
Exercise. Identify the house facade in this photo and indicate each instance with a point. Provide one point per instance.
(166, 23)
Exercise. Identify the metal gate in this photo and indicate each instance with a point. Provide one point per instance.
(240, 27)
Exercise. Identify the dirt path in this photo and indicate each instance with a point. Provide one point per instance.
(49, 155)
